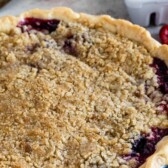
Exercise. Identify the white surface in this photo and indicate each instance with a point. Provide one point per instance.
(140, 3)
(140, 11)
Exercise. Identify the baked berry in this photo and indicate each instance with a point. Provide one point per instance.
(38, 24)
(164, 34)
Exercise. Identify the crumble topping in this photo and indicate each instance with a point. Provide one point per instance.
(76, 97)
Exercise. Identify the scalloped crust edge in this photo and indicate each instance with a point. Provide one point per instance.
(123, 27)
(160, 157)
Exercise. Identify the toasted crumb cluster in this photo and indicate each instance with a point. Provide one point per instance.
(77, 97)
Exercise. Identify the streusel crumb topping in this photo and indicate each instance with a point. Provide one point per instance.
(75, 97)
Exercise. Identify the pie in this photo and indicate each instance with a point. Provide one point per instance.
(78, 90)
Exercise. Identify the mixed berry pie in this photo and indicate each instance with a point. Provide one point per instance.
(78, 90)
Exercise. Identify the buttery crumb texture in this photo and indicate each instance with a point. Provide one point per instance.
(74, 98)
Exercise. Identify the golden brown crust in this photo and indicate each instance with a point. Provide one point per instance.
(125, 28)
(7, 23)
(162, 53)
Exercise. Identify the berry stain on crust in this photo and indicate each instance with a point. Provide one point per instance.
(38, 24)
(144, 147)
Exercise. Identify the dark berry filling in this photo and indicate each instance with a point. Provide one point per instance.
(70, 46)
(143, 147)
(39, 24)
(162, 73)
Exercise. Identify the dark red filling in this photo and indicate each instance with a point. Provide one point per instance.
(162, 73)
(144, 147)
(39, 24)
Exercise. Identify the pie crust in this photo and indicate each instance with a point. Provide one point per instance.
(123, 27)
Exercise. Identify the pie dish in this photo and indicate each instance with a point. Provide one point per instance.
(78, 90)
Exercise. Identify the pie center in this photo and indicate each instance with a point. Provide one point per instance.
(71, 95)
